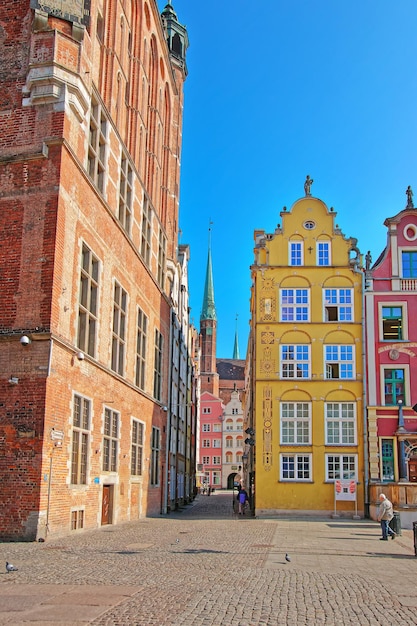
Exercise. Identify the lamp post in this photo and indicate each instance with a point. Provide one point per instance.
(402, 429)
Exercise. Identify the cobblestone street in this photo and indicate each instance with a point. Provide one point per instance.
(203, 566)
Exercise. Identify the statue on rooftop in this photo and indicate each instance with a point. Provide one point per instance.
(307, 185)
(409, 194)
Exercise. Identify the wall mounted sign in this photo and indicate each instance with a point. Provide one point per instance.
(77, 11)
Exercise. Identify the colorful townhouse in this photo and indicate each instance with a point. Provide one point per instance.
(306, 388)
(391, 348)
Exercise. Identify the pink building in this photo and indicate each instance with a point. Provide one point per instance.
(211, 417)
(391, 349)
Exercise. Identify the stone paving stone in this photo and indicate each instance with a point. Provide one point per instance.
(204, 566)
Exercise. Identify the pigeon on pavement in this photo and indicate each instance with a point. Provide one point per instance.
(10, 567)
(287, 558)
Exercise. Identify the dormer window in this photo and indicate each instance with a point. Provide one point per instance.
(409, 264)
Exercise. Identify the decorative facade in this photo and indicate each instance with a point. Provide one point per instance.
(305, 393)
(90, 136)
(391, 348)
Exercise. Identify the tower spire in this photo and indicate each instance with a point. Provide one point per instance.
(236, 354)
(208, 311)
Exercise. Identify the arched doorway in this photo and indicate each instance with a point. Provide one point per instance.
(233, 479)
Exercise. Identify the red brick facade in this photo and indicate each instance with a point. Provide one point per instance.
(90, 137)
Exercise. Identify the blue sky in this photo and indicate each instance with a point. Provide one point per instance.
(277, 90)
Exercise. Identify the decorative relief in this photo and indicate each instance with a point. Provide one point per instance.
(268, 337)
(267, 363)
(268, 309)
(267, 428)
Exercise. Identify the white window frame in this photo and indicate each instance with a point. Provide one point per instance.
(298, 360)
(297, 458)
(334, 298)
(217, 443)
(206, 428)
(343, 473)
(342, 421)
(291, 247)
(339, 360)
(295, 303)
(295, 423)
(402, 304)
(327, 244)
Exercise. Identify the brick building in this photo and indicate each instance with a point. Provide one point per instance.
(90, 134)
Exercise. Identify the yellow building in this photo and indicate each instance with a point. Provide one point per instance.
(306, 351)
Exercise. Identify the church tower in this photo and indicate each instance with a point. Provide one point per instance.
(208, 335)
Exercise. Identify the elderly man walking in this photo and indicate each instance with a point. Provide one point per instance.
(385, 515)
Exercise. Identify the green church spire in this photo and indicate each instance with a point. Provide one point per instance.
(236, 354)
(208, 311)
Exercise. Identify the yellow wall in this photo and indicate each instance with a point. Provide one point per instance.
(272, 272)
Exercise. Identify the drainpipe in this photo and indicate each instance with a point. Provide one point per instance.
(365, 403)
(401, 428)
(168, 426)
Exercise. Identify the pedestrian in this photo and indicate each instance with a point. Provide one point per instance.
(385, 515)
(243, 498)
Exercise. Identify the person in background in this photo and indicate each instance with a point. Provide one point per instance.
(385, 515)
(243, 498)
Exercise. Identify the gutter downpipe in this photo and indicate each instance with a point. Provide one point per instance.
(365, 401)
(168, 433)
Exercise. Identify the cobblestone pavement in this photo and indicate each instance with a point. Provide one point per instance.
(204, 566)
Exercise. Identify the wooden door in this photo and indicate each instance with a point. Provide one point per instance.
(106, 506)
(412, 470)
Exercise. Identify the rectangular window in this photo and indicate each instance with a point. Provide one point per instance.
(126, 194)
(145, 245)
(392, 323)
(394, 386)
(215, 478)
(110, 440)
(157, 371)
(294, 305)
(217, 443)
(119, 329)
(339, 362)
(206, 443)
(296, 253)
(206, 460)
(295, 423)
(217, 460)
(409, 264)
(295, 361)
(88, 302)
(387, 460)
(77, 519)
(206, 409)
(323, 253)
(162, 255)
(217, 428)
(295, 467)
(80, 440)
(340, 423)
(155, 455)
(97, 145)
(341, 467)
(338, 305)
(206, 428)
(141, 344)
(137, 448)
(229, 442)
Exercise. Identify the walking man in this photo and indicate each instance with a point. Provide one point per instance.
(385, 515)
